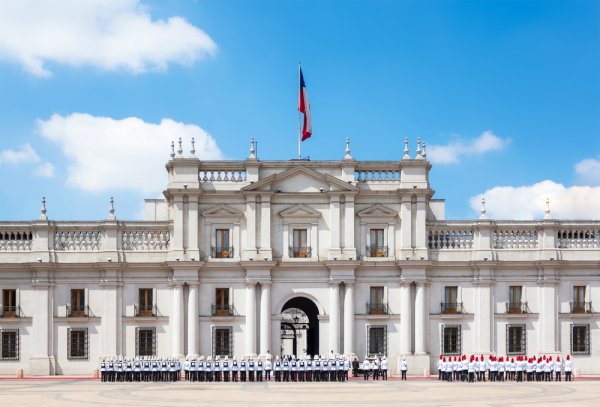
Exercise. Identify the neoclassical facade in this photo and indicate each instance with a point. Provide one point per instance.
(250, 257)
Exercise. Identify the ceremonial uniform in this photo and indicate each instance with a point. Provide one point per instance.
(403, 368)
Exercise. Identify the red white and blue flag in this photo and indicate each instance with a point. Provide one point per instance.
(304, 107)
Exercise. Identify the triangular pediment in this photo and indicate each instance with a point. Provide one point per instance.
(300, 211)
(377, 211)
(301, 179)
(222, 211)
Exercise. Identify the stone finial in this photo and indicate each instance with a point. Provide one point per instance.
(424, 152)
(347, 156)
(172, 149)
(180, 150)
(43, 216)
(193, 150)
(111, 209)
(406, 152)
(419, 148)
(547, 214)
(252, 155)
(483, 211)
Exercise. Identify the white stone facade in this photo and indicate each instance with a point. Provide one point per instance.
(332, 210)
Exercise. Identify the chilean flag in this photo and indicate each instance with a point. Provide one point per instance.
(304, 107)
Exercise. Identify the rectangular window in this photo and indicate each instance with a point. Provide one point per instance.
(514, 299)
(9, 349)
(451, 341)
(300, 243)
(77, 343)
(580, 339)
(145, 344)
(77, 306)
(222, 307)
(377, 339)
(146, 301)
(450, 305)
(222, 341)
(378, 248)
(9, 303)
(222, 250)
(516, 339)
(376, 305)
(579, 305)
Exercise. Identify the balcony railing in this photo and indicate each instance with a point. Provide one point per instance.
(516, 308)
(11, 311)
(377, 309)
(222, 310)
(452, 307)
(221, 252)
(377, 251)
(581, 307)
(74, 311)
(300, 252)
(145, 310)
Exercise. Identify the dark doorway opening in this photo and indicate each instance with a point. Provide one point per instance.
(300, 316)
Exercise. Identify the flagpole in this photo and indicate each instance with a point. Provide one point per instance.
(299, 119)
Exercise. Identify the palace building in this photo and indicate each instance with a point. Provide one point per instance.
(253, 257)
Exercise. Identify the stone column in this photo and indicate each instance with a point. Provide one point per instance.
(192, 322)
(193, 249)
(334, 230)
(548, 315)
(178, 227)
(406, 228)
(176, 321)
(41, 362)
(349, 319)
(420, 232)
(250, 318)
(421, 314)
(265, 227)
(250, 214)
(349, 249)
(265, 317)
(484, 316)
(405, 318)
(110, 319)
(334, 316)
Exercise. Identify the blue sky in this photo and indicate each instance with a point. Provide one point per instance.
(506, 94)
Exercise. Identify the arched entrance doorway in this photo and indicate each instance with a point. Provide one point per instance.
(300, 327)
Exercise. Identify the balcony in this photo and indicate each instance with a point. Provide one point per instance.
(145, 310)
(221, 252)
(222, 310)
(516, 308)
(11, 311)
(300, 252)
(377, 251)
(452, 308)
(78, 311)
(581, 307)
(377, 309)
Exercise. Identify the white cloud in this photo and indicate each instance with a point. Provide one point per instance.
(588, 171)
(105, 154)
(454, 151)
(528, 201)
(107, 34)
(45, 170)
(25, 154)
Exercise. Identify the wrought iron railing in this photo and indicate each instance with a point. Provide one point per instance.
(145, 310)
(11, 311)
(578, 307)
(377, 309)
(74, 311)
(377, 251)
(221, 252)
(222, 310)
(301, 252)
(452, 308)
(516, 307)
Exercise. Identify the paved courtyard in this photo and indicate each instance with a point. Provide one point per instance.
(48, 392)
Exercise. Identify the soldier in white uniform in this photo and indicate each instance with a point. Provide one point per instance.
(268, 368)
(403, 368)
(309, 369)
(366, 367)
(557, 369)
(568, 369)
(347, 368)
(317, 368)
(277, 368)
(259, 370)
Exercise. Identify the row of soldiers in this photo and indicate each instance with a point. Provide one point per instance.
(500, 368)
(209, 369)
(377, 368)
(141, 369)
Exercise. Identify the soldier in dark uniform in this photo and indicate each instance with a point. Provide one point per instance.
(234, 369)
(251, 369)
(243, 370)
(286, 369)
(225, 369)
(217, 369)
